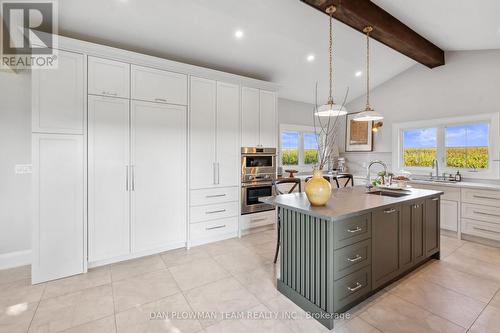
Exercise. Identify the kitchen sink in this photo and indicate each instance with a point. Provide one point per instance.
(389, 193)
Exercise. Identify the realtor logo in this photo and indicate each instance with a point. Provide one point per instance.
(29, 34)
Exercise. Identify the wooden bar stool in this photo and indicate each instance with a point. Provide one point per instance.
(296, 183)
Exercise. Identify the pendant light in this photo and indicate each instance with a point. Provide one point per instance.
(368, 114)
(330, 109)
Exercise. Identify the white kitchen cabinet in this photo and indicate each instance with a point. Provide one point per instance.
(228, 133)
(250, 123)
(268, 124)
(59, 201)
(154, 85)
(108, 77)
(203, 133)
(158, 175)
(58, 96)
(259, 118)
(449, 215)
(108, 160)
(214, 130)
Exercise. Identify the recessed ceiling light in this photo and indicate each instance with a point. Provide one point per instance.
(358, 73)
(310, 57)
(239, 34)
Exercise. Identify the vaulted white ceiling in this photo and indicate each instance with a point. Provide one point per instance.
(278, 36)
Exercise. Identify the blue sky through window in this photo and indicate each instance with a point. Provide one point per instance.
(290, 140)
(475, 135)
(310, 141)
(420, 138)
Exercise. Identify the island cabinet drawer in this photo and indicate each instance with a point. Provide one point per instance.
(214, 195)
(481, 197)
(211, 231)
(481, 213)
(213, 212)
(351, 288)
(351, 258)
(481, 229)
(352, 230)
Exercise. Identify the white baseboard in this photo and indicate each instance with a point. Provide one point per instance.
(15, 259)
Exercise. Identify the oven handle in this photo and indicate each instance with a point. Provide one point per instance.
(256, 184)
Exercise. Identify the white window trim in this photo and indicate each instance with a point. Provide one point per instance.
(301, 167)
(493, 171)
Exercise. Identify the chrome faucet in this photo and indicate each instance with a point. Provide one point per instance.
(435, 165)
(368, 176)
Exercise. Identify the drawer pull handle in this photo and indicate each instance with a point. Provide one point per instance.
(160, 100)
(487, 214)
(356, 258)
(353, 289)
(358, 229)
(215, 196)
(484, 197)
(258, 220)
(216, 211)
(109, 93)
(217, 227)
(390, 211)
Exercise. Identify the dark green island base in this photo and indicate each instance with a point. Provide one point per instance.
(336, 256)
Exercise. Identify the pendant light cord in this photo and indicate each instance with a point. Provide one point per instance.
(368, 69)
(331, 58)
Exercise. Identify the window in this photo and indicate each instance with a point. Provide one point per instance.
(290, 148)
(467, 146)
(466, 143)
(419, 147)
(298, 146)
(310, 148)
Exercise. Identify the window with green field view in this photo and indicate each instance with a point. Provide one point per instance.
(310, 148)
(299, 147)
(466, 146)
(290, 148)
(419, 147)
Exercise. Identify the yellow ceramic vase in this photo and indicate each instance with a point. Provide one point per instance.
(318, 189)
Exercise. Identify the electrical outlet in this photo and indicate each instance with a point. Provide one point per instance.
(21, 169)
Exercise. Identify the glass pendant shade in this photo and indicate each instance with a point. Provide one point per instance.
(368, 115)
(331, 110)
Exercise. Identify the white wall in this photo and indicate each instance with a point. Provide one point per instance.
(295, 113)
(15, 148)
(468, 84)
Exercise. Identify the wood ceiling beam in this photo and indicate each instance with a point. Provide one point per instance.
(387, 29)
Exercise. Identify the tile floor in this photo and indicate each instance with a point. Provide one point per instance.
(161, 293)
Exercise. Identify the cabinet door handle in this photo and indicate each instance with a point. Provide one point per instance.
(356, 258)
(132, 170)
(217, 227)
(126, 177)
(358, 229)
(160, 100)
(416, 206)
(487, 214)
(390, 211)
(357, 287)
(215, 196)
(486, 230)
(484, 197)
(215, 211)
(218, 173)
(258, 220)
(109, 93)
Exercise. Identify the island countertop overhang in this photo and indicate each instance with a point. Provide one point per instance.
(348, 202)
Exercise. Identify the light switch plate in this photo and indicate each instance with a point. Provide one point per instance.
(21, 169)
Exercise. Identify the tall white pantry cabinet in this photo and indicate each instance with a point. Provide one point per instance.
(112, 133)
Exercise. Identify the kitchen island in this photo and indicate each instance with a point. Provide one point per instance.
(333, 257)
